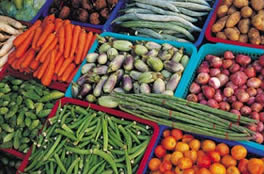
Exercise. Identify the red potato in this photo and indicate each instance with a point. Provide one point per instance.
(208, 92)
(239, 78)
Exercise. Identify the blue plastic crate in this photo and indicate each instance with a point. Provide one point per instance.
(198, 40)
(189, 48)
(101, 27)
(250, 150)
(218, 49)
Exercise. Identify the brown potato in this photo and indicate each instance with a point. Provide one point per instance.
(257, 4)
(243, 38)
(240, 3)
(221, 35)
(246, 12)
(231, 10)
(254, 36)
(219, 25)
(233, 19)
(258, 22)
(232, 33)
(222, 10)
(244, 25)
(228, 2)
(261, 12)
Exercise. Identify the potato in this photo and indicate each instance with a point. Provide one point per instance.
(262, 40)
(231, 10)
(258, 22)
(228, 2)
(246, 12)
(222, 10)
(240, 3)
(257, 4)
(243, 38)
(261, 12)
(220, 24)
(254, 36)
(221, 35)
(244, 25)
(233, 19)
(232, 33)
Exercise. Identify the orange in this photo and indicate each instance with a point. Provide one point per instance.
(204, 171)
(242, 166)
(189, 171)
(232, 170)
(195, 144)
(182, 147)
(154, 164)
(217, 168)
(223, 149)
(255, 166)
(208, 145)
(228, 161)
(187, 138)
(167, 157)
(160, 151)
(191, 154)
(215, 156)
(177, 134)
(175, 157)
(166, 133)
(185, 163)
(178, 170)
(169, 143)
(239, 152)
(164, 166)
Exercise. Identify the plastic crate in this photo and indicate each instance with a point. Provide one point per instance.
(189, 48)
(112, 112)
(219, 49)
(100, 27)
(209, 36)
(250, 150)
(198, 39)
(40, 12)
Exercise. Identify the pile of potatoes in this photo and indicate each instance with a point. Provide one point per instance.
(240, 20)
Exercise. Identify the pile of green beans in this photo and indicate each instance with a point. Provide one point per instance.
(86, 141)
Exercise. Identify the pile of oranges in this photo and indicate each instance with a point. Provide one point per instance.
(180, 153)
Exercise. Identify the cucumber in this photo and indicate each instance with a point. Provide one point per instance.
(5, 103)
(34, 124)
(3, 110)
(31, 115)
(49, 106)
(29, 103)
(16, 139)
(31, 94)
(28, 122)
(6, 145)
(20, 119)
(12, 112)
(7, 128)
(39, 107)
(44, 113)
(8, 137)
(19, 100)
(16, 82)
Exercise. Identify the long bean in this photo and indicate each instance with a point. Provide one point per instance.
(148, 32)
(160, 3)
(192, 6)
(192, 13)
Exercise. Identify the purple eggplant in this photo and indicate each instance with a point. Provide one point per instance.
(152, 45)
(141, 66)
(128, 63)
(102, 59)
(168, 92)
(159, 86)
(120, 90)
(90, 98)
(110, 83)
(119, 75)
(173, 66)
(127, 83)
(91, 57)
(75, 90)
(116, 63)
(87, 67)
(101, 70)
(140, 50)
(136, 88)
(173, 82)
(86, 88)
(99, 86)
(134, 74)
(144, 88)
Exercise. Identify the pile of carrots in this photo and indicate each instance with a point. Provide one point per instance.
(51, 49)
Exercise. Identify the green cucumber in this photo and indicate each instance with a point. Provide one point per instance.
(29, 103)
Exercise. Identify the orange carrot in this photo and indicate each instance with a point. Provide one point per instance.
(58, 55)
(14, 63)
(75, 38)
(28, 59)
(23, 36)
(20, 51)
(46, 44)
(35, 73)
(87, 43)
(72, 75)
(65, 64)
(51, 47)
(61, 37)
(92, 41)
(59, 64)
(36, 38)
(48, 19)
(67, 73)
(20, 60)
(68, 40)
(67, 21)
(48, 29)
(34, 64)
(47, 78)
(58, 24)
(11, 57)
(27, 70)
(80, 49)
(44, 66)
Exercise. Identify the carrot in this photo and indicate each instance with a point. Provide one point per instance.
(72, 75)
(58, 24)
(92, 41)
(80, 49)
(58, 55)
(48, 19)
(68, 40)
(28, 59)
(51, 47)
(14, 63)
(76, 33)
(59, 64)
(67, 21)
(11, 57)
(48, 29)
(67, 73)
(46, 44)
(61, 37)
(27, 70)
(47, 78)
(20, 60)
(36, 38)
(20, 51)
(23, 36)
(44, 66)
(65, 64)
(34, 64)
(54, 77)
(35, 73)
(87, 43)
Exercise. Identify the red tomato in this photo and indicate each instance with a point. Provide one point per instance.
(204, 161)
(215, 156)
(166, 133)
(177, 134)
(169, 143)
(160, 151)
(165, 166)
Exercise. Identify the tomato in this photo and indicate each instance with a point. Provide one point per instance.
(215, 156)
(204, 161)
(223, 149)
(182, 147)
(185, 163)
(178, 170)
(255, 166)
(228, 161)
(239, 152)
(154, 164)
(169, 143)
(217, 168)
(191, 154)
(166, 133)
(175, 157)
(187, 138)
(169, 172)
(160, 151)
(242, 166)
(189, 171)
(208, 145)
(232, 170)
(177, 134)
(195, 144)
(203, 171)
(165, 166)
(167, 157)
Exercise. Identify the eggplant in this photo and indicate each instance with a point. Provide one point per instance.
(144, 88)
(141, 66)
(116, 63)
(127, 83)
(99, 86)
(128, 63)
(159, 86)
(101, 70)
(75, 90)
(110, 83)
(87, 67)
(86, 88)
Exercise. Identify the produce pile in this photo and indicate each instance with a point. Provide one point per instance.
(180, 153)
(232, 82)
(123, 66)
(80, 139)
(165, 20)
(52, 50)
(23, 108)
(87, 11)
(9, 29)
(8, 163)
(24, 10)
(240, 20)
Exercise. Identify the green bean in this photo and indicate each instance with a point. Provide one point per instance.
(107, 157)
(67, 129)
(105, 134)
(102, 168)
(148, 32)
(75, 162)
(126, 17)
(127, 137)
(138, 152)
(128, 163)
(52, 148)
(51, 171)
(66, 134)
(192, 13)
(86, 166)
(94, 168)
(194, 1)
(134, 137)
(137, 10)
(59, 162)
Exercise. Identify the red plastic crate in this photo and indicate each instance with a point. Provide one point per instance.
(109, 111)
(209, 35)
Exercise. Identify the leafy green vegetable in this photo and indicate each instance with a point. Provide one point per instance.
(28, 3)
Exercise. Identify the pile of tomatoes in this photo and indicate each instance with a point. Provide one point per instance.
(180, 153)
